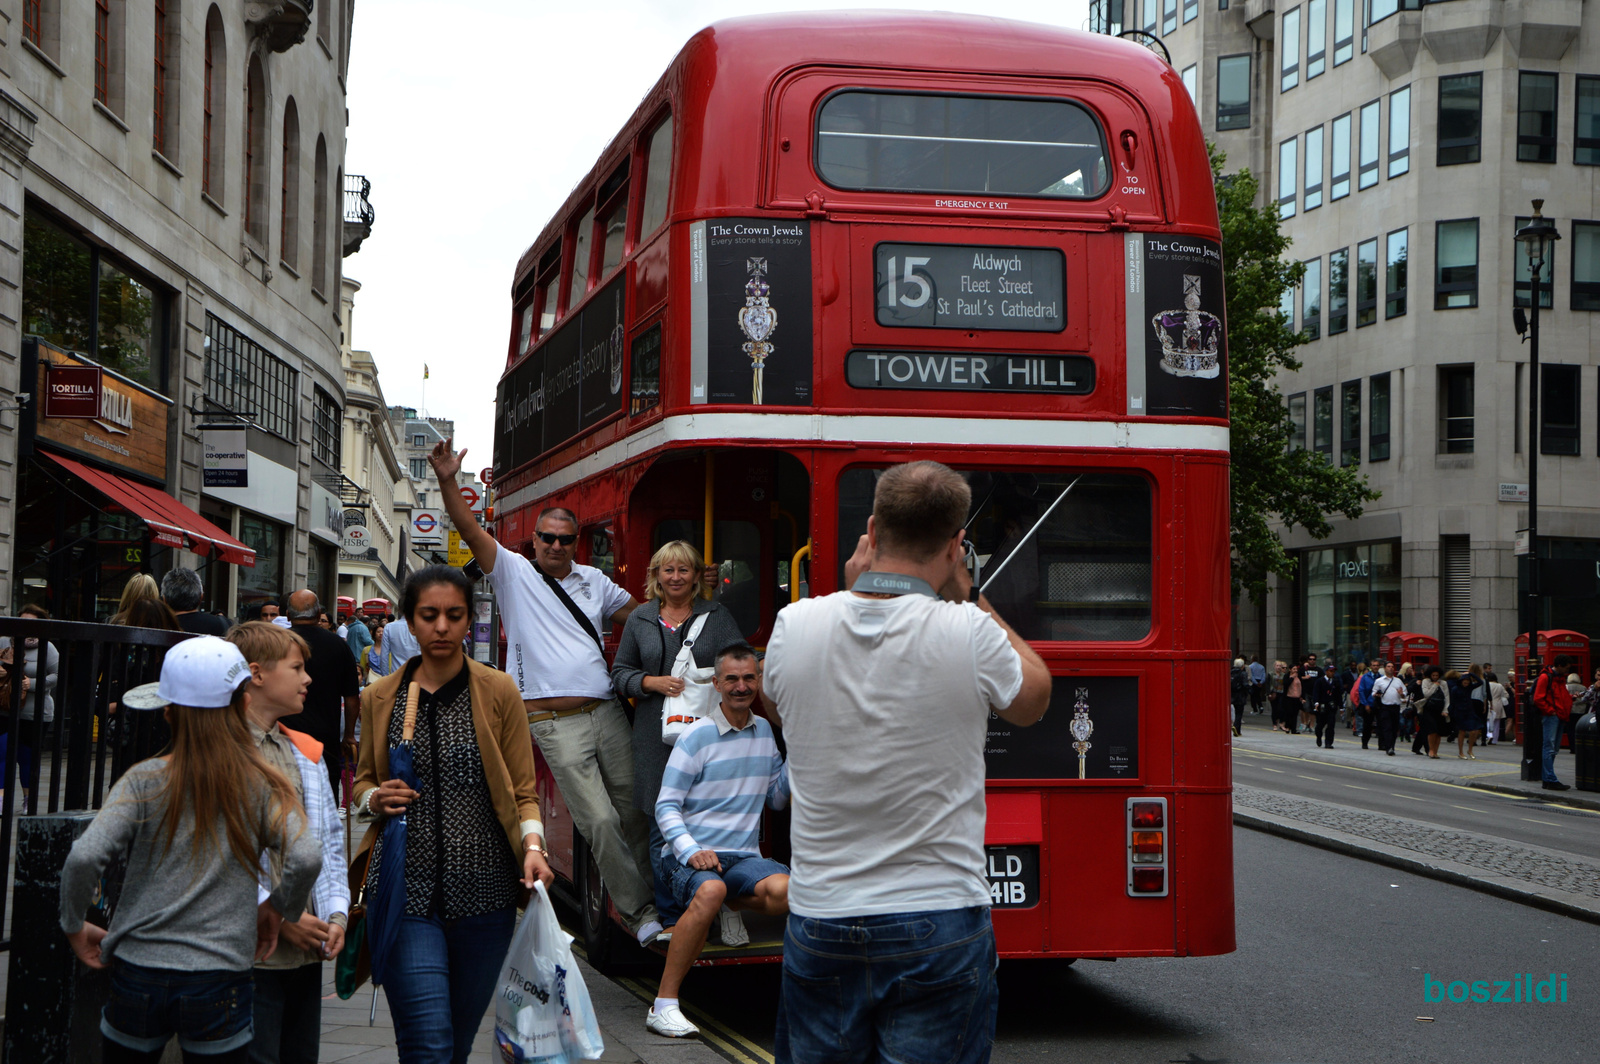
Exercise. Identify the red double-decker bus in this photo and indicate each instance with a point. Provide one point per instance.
(816, 251)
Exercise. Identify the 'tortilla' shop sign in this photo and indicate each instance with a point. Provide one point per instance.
(93, 412)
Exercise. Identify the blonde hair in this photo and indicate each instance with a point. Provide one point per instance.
(140, 587)
(1405, 669)
(680, 552)
(1238, 663)
(264, 643)
(1476, 670)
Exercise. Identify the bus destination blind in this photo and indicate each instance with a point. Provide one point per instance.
(956, 286)
(968, 371)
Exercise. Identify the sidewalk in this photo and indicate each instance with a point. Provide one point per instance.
(1497, 768)
(347, 1038)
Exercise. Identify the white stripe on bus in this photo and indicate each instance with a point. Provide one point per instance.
(875, 429)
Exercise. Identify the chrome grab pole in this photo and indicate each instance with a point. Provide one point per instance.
(1046, 516)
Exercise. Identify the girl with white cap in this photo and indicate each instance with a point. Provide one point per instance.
(193, 824)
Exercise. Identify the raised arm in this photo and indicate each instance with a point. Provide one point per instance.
(446, 464)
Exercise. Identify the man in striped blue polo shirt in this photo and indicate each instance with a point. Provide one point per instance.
(723, 769)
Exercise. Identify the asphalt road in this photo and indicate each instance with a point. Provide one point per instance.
(1446, 805)
(1330, 967)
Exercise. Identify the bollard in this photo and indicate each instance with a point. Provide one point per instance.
(53, 1002)
(1586, 744)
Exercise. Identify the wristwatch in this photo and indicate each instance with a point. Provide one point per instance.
(539, 849)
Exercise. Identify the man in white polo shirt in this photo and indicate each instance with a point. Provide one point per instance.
(553, 612)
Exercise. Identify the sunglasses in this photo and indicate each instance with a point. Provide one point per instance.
(551, 538)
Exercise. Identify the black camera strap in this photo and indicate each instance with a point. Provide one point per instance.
(572, 608)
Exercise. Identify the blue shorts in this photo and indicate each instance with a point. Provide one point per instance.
(210, 1012)
(740, 872)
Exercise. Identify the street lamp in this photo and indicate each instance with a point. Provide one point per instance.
(1538, 238)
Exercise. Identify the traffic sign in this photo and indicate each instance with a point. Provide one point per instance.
(486, 474)
(459, 553)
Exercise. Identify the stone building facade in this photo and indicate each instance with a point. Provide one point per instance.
(1402, 143)
(172, 227)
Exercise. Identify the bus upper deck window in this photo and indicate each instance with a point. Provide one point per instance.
(994, 145)
(657, 179)
(580, 259)
(613, 200)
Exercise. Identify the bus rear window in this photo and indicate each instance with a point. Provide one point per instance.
(1083, 576)
(994, 145)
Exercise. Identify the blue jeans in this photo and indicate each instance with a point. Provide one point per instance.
(442, 976)
(913, 988)
(1552, 743)
(741, 872)
(208, 1011)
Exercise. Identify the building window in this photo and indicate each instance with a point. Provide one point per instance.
(1455, 282)
(319, 217)
(325, 428)
(1191, 9)
(1378, 418)
(1399, 131)
(1536, 117)
(1151, 11)
(1369, 146)
(1350, 423)
(1522, 286)
(33, 20)
(255, 153)
(244, 378)
(1286, 301)
(1297, 422)
(419, 469)
(1189, 83)
(1395, 275)
(102, 50)
(1340, 183)
(419, 440)
(1460, 119)
(1366, 282)
(1382, 9)
(1586, 265)
(1344, 30)
(1287, 152)
(77, 298)
(213, 123)
(1322, 421)
(1169, 17)
(1314, 168)
(1311, 301)
(1316, 38)
(1350, 598)
(1233, 92)
(1586, 138)
(1290, 68)
(1558, 409)
(1455, 409)
(289, 210)
(1339, 291)
(657, 180)
(167, 84)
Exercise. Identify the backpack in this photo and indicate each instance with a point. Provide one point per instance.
(1240, 686)
(1355, 694)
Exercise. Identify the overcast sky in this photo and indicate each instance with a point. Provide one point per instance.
(474, 120)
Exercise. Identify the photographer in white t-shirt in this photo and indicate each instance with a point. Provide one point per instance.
(885, 693)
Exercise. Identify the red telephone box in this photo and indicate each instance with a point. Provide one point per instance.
(346, 605)
(1420, 650)
(1561, 642)
(379, 606)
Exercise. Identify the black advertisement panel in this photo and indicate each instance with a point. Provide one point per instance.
(758, 311)
(519, 415)
(1091, 731)
(966, 371)
(603, 335)
(562, 380)
(952, 286)
(1186, 358)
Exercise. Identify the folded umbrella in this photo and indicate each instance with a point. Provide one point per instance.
(386, 902)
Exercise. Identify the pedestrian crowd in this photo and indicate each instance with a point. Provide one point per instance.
(865, 717)
(1392, 702)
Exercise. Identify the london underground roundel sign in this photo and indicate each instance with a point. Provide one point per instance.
(425, 523)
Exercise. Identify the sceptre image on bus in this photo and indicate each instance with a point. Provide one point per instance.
(835, 247)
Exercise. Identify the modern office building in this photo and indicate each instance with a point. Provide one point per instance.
(173, 216)
(1401, 144)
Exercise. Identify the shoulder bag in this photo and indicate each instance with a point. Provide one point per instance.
(680, 711)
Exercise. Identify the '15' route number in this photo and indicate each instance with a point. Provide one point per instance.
(910, 279)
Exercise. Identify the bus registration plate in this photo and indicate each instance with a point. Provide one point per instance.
(1013, 873)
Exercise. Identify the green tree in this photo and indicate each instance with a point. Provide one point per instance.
(1270, 481)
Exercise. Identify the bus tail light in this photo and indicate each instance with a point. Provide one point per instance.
(1147, 847)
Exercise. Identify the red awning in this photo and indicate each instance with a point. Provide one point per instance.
(171, 522)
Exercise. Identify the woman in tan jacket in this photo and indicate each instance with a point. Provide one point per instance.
(474, 840)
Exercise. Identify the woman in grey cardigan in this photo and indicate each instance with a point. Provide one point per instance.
(643, 672)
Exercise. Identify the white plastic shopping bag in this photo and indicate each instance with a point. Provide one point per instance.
(543, 1012)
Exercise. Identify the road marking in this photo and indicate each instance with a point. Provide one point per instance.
(1408, 797)
(1264, 768)
(726, 1041)
(1571, 808)
(1357, 787)
(1546, 823)
(1468, 808)
(1305, 777)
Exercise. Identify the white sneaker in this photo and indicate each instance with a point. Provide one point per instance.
(731, 928)
(648, 931)
(670, 1022)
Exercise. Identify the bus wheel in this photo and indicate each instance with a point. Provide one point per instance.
(602, 939)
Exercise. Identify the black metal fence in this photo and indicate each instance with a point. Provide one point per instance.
(63, 736)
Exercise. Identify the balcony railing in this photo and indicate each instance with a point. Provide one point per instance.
(358, 212)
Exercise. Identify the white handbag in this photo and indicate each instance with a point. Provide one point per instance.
(680, 711)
